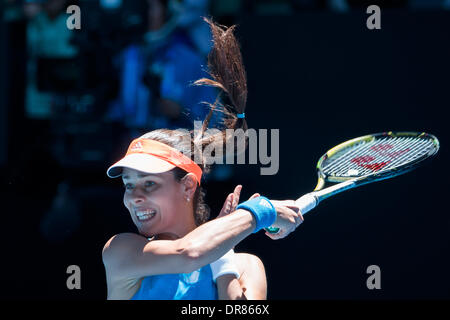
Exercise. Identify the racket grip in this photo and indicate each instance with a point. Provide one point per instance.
(304, 203)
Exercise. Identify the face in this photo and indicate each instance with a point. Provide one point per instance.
(157, 203)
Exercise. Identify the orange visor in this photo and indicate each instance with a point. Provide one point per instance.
(151, 156)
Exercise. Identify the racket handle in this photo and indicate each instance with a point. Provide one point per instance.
(304, 203)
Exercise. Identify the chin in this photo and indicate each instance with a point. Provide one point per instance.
(149, 232)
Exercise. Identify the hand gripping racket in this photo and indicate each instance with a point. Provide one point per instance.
(367, 159)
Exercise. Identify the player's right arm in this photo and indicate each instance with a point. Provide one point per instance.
(129, 255)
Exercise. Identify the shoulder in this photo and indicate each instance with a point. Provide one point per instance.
(253, 276)
(119, 244)
(248, 262)
(122, 238)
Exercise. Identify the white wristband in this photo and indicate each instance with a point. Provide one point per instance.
(224, 265)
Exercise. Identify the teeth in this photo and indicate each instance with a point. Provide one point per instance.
(146, 212)
(144, 215)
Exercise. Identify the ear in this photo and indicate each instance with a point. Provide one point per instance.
(189, 185)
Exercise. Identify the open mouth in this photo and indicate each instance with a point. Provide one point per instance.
(145, 215)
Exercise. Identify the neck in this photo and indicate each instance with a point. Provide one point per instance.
(180, 229)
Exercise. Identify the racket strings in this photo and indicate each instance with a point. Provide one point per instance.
(341, 161)
(380, 154)
(406, 150)
(407, 146)
(384, 159)
(361, 164)
(417, 150)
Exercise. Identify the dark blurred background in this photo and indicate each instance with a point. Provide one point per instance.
(71, 100)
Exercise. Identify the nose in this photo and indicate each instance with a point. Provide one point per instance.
(137, 196)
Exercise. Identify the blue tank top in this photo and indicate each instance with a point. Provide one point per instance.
(197, 285)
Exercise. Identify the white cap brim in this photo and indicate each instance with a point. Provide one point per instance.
(140, 162)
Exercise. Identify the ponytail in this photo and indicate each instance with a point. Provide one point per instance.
(228, 75)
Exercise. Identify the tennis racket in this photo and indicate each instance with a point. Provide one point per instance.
(367, 159)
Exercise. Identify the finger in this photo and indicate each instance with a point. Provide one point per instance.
(298, 221)
(226, 206)
(294, 208)
(285, 203)
(282, 235)
(236, 196)
(238, 189)
(271, 235)
(256, 195)
(230, 203)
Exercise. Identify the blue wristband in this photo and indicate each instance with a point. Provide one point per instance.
(263, 211)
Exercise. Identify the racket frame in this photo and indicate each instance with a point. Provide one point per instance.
(375, 176)
(312, 199)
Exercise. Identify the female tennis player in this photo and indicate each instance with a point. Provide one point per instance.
(178, 253)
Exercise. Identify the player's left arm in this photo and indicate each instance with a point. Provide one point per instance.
(252, 283)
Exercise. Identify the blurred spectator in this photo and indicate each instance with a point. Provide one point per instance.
(188, 13)
(48, 35)
(47, 38)
(156, 75)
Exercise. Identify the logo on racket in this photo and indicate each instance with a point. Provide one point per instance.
(382, 150)
(364, 162)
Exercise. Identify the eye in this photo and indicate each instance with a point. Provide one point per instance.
(128, 186)
(149, 184)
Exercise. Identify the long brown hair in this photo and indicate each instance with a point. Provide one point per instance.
(228, 74)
